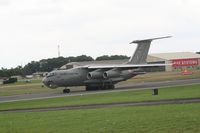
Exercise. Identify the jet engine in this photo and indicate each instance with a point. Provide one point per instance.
(95, 75)
(111, 74)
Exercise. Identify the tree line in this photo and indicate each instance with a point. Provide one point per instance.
(47, 65)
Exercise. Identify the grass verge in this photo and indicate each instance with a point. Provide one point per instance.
(151, 119)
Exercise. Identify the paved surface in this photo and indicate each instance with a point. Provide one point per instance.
(96, 106)
(119, 88)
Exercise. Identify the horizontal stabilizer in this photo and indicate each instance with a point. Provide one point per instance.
(149, 40)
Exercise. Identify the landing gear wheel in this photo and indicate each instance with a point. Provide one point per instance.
(92, 88)
(88, 88)
(111, 86)
(105, 87)
(66, 90)
(108, 87)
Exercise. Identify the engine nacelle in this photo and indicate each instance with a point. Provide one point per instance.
(95, 75)
(111, 74)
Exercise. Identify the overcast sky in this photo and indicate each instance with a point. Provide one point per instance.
(32, 29)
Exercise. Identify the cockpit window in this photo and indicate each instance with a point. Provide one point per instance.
(69, 66)
(50, 74)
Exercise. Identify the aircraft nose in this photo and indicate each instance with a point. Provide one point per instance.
(44, 80)
(49, 83)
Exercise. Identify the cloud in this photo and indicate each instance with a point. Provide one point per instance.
(32, 29)
(5, 2)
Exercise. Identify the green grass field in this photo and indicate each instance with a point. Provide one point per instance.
(163, 76)
(25, 89)
(192, 91)
(150, 119)
(22, 82)
(21, 87)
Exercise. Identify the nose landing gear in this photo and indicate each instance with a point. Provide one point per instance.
(66, 90)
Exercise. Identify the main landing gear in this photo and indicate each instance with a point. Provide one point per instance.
(105, 87)
(66, 90)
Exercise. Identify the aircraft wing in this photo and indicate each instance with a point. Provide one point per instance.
(126, 66)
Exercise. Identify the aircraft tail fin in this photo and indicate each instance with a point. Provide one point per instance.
(141, 52)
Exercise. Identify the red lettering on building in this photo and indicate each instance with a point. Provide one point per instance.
(185, 62)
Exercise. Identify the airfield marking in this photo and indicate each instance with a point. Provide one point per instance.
(109, 105)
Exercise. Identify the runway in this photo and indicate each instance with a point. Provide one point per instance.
(109, 105)
(119, 88)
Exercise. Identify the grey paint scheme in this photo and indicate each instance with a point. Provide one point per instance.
(105, 75)
(140, 53)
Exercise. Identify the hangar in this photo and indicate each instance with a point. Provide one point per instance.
(179, 60)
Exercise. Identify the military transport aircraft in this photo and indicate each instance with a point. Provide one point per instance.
(102, 76)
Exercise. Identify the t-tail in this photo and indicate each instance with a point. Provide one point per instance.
(142, 50)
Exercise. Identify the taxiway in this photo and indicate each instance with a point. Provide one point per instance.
(119, 88)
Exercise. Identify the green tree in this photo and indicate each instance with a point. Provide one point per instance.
(47, 65)
(104, 57)
(112, 57)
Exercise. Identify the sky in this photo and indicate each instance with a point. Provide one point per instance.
(31, 30)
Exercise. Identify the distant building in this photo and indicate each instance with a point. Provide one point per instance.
(38, 74)
(2, 79)
(179, 61)
(17, 76)
(29, 76)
